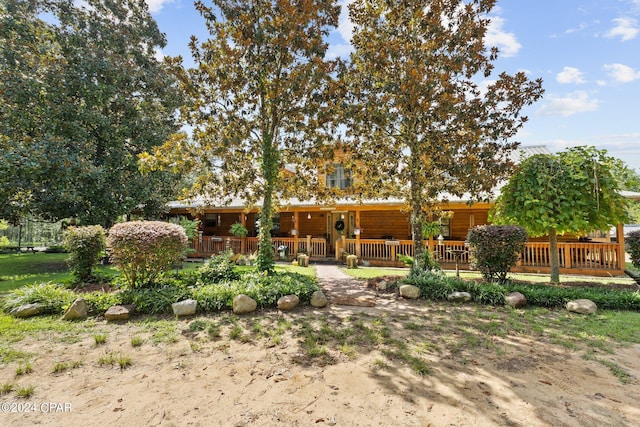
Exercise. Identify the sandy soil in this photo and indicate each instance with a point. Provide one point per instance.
(196, 381)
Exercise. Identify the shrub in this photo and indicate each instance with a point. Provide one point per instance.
(53, 298)
(495, 249)
(156, 299)
(98, 302)
(633, 247)
(85, 246)
(145, 249)
(217, 269)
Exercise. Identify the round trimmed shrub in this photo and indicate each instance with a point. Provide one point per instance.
(145, 249)
(85, 246)
(495, 249)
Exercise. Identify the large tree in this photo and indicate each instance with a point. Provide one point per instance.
(575, 191)
(258, 104)
(423, 128)
(81, 95)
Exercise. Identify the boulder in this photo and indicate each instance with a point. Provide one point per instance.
(409, 291)
(515, 299)
(382, 285)
(185, 308)
(459, 297)
(243, 304)
(119, 312)
(582, 306)
(288, 302)
(26, 310)
(318, 299)
(78, 310)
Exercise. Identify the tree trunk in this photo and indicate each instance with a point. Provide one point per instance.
(416, 217)
(265, 261)
(554, 257)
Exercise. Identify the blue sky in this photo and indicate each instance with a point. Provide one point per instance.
(586, 51)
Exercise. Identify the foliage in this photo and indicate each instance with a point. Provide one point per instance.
(81, 95)
(145, 249)
(98, 302)
(632, 241)
(574, 191)
(264, 289)
(428, 263)
(257, 103)
(217, 269)
(495, 249)
(437, 286)
(85, 246)
(238, 230)
(190, 227)
(53, 298)
(156, 299)
(414, 103)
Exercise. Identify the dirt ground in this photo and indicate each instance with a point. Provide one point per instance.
(194, 381)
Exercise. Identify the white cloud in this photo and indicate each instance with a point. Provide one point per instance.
(570, 75)
(342, 50)
(570, 104)
(622, 73)
(496, 36)
(159, 55)
(345, 26)
(156, 5)
(626, 29)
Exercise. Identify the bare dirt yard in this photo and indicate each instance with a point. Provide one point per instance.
(400, 363)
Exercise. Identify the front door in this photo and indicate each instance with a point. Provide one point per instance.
(337, 226)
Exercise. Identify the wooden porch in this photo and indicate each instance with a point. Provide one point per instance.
(586, 258)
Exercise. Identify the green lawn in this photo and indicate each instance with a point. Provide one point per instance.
(17, 270)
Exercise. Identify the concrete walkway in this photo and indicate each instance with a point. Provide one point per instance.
(342, 289)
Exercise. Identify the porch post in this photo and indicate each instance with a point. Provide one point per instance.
(296, 226)
(309, 251)
(243, 239)
(358, 250)
(622, 265)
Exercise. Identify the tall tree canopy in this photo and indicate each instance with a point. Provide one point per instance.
(257, 104)
(422, 126)
(81, 95)
(575, 191)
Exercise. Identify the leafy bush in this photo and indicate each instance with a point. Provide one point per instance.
(156, 299)
(85, 246)
(145, 249)
(217, 269)
(495, 249)
(98, 302)
(54, 298)
(633, 247)
(265, 290)
(434, 285)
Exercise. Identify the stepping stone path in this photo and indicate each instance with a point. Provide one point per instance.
(342, 289)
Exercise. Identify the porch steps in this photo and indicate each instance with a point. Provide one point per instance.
(341, 289)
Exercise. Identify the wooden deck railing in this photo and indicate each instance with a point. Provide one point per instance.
(576, 256)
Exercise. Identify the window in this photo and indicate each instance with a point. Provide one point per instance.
(338, 177)
(211, 220)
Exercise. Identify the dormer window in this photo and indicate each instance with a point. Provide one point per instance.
(338, 177)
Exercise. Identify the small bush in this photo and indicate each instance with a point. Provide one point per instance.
(217, 269)
(53, 298)
(98, 302)
(156, 299)
(145, 249)
(495, 249)
(633, 247)
(85, 246)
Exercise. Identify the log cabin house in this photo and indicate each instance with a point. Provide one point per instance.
(378, 231)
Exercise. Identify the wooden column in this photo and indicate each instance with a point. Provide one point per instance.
(243, 239)
(296, 226)
(309, 251)
(622, 265)
(358, 250)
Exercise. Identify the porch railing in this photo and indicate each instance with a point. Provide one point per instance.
(573, 255)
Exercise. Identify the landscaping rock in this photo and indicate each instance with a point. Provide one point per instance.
(288, 302)
(185, 308)
(515, 299)
(26, 310)
(243, 304)
(318, 299)
(382, 285)
(582, 306)
(409, 291)
(119, 312)
(459, 297)
(78, 310)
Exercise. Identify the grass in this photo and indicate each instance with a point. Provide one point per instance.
(25, 392)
